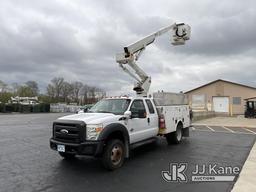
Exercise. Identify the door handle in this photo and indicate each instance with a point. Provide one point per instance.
(131, 129)
(148, 120)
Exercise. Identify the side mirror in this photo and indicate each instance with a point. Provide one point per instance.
(127, 114)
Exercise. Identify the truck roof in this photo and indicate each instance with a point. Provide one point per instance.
(127, 97)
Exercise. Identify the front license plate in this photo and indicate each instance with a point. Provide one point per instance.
(61, 148)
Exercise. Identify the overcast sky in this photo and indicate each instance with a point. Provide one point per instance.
(78, 40)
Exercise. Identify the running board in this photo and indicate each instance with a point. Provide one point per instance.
(144, 142)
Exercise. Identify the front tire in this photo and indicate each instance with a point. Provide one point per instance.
(175, 137)
(113, 155)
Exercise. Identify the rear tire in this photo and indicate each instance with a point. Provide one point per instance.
(113, 155)
(67, 156)
(175, 137)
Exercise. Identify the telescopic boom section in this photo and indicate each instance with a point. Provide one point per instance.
(179, 34)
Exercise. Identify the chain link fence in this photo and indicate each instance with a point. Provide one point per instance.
(64, 108)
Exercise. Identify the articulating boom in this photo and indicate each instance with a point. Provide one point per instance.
(179, 34)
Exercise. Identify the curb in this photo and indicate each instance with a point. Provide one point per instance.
(247, 178)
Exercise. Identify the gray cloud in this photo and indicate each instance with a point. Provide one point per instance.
(79, 39)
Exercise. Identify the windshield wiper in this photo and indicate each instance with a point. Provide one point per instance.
(102, 112)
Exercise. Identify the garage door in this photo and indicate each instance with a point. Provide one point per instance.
(221, 104)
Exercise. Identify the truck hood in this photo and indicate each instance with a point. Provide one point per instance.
(92, 118)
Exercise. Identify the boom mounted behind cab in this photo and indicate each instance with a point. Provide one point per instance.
(179, 34)
(114, 126)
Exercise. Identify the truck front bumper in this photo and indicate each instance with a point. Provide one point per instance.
(92, 148)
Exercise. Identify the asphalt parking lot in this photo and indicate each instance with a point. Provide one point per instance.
(225, 129)
(28, 164)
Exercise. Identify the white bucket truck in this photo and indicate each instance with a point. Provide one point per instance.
(115, 125)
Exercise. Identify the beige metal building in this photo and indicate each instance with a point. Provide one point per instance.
(220, 96)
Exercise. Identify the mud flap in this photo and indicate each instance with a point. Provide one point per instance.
(185, 132)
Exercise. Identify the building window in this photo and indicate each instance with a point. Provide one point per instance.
(236, 100)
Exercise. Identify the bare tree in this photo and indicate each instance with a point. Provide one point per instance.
(92, 94)
(3, 86)
(76, 86)
(14, 87)
(98, 93)
(66, 90)
(51, 91)
(61, 90)
(57, 84)
(33, 86)
(84, 93)
(25, 91)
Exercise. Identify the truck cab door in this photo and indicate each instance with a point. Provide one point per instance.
(138, 121)
(152, 119)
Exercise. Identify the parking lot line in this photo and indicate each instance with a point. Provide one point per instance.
(203, 130)
(200, 127)
(239, 132)
(223, 129)
(210, 128)
(228, 129)
(249, 130)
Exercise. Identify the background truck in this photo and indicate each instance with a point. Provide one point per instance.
(114, 126)
(250, 108)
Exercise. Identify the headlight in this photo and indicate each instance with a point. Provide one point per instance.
(93, 131)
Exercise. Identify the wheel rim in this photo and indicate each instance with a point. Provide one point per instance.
(179, 134)
(116, 154)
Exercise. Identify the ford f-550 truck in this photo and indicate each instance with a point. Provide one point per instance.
(113, 126)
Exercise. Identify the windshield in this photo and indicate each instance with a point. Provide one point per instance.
(115, 106)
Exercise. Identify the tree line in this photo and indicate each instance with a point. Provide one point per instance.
(58, 90)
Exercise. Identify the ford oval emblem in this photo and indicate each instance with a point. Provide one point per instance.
(64, 131)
